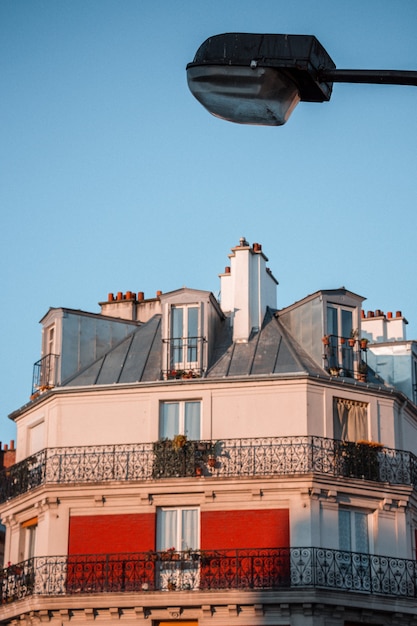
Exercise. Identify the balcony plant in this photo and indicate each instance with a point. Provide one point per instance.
(174, 457)
(362, 371)
(360, 459)
(353, 337)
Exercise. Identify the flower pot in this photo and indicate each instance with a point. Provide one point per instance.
(351, 343)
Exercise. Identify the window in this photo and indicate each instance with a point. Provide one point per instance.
(178, 528)
(340, 325)
(185, 345)
(353, 531)
(350, 420)
(28, 539)
(180, 418)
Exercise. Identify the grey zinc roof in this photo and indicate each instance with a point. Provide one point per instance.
(138, 357)
(270, 351)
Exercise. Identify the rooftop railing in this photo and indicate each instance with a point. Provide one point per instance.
(209, 570)
(256, 457)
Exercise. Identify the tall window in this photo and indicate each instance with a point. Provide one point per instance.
(180, 418)
(184, 337)
(350, 420)
(178, 528)
(340, 324)
(28, 538)
(353, 531)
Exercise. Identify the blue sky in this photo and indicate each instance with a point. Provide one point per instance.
(113, 178)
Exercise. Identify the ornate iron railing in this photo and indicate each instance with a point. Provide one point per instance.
(262, 568)
(272, 456)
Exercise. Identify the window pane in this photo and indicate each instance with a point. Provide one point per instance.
(177, 323)
(344, 530)
(192, 333)
(346, 323)
(189, 537)
(192, 420)
(169, 426)
(361, 533)
(167, 530)
(332, 321)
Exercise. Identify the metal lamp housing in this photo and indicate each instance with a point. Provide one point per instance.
(258, 79)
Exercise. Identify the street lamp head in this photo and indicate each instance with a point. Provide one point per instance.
(258, 79)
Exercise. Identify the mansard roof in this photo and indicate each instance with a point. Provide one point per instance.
(138, 357)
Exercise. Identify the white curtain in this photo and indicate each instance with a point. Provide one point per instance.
(350, 420)
(189, 537)
(170, 421)
(192, 420)
(177, 528)
(167, 529)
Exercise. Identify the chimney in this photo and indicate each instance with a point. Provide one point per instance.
(247, 289)
(7, 455)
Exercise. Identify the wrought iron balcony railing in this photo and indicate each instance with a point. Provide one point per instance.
(273, 456)
(45, 373)
(209, 570)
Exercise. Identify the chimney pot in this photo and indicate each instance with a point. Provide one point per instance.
(158, 294)
(141, 296)
(362, 314)
(12, 444)
(398, 314)
(128, 295)
(257, 247)
(227, 270)
(119, 296)
(110, 297)
(6, 447)
(389, 315)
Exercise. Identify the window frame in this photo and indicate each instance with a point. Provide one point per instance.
(164, 432)
(180, 346)
(179, 544)
(354, 540)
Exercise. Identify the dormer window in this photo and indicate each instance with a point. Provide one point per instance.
(191, 319)
(185, 342)
(339, 330)
(184, 337)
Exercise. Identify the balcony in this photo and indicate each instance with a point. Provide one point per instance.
(44, 374)
(211, 570)
(345, 356)
(229, 458)
(184, 357)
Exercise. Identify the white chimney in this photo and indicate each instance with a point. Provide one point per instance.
(247, 289)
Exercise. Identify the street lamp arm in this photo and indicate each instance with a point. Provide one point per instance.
(376, 77)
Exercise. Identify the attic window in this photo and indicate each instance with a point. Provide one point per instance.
(185, 341)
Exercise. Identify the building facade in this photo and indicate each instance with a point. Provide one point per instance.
(187, 460)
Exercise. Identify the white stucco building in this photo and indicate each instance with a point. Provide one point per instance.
(188, 460)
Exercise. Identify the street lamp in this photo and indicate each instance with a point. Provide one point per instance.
(259, 79)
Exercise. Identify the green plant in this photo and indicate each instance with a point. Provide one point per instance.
(179, 441)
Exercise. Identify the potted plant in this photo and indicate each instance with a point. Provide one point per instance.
(364, 344)
(353, 337)
(326, 340)
(362, 371)
(179, 441)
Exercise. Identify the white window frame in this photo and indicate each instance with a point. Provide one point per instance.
(178, 541)
(181, 430)
(181, 342)
(355, 516)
